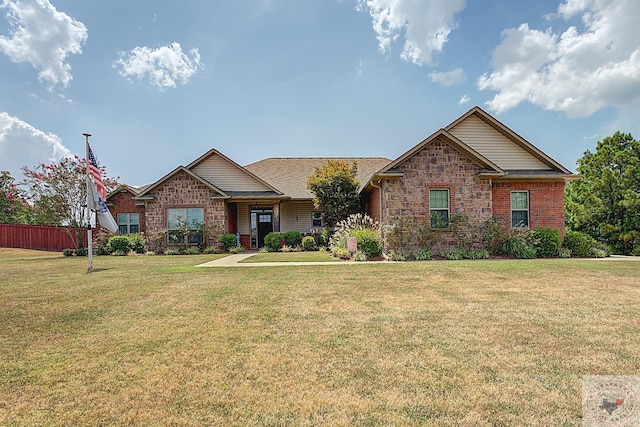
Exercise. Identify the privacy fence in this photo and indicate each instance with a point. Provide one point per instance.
(36, 237)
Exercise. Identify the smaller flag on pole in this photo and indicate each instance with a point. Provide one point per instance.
(97, 193)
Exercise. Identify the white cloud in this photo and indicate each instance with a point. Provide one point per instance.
(464, 99)
(23, 145)
(43, 37)
(424, 24)
(163, 67)
(449, 78)
(577, 71)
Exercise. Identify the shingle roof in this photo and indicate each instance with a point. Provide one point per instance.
(289, 175)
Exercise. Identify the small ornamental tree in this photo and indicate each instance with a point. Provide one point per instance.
(58, 193)
(336, 191)
(13, 208)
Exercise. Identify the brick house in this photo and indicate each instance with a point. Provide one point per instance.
(475, 166)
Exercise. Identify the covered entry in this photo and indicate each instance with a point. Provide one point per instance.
(261, 225)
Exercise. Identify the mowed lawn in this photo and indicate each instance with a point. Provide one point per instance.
(155, 341)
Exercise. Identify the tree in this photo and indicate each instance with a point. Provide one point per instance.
(58, 193)
(13, 208)
(605, 201)
(336, 191)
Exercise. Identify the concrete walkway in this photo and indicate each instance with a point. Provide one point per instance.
(234, 261)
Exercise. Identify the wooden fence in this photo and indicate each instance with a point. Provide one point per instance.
(36, 237)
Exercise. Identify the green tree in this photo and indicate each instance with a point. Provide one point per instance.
(336, 191)
(605, 201)
(57, 193)
(13, 208)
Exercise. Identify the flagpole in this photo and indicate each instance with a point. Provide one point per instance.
(89, 231)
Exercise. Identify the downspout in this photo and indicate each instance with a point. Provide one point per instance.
(379, 187)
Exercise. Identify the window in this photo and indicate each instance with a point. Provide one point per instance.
(439, 208)
(185, 225)
(128, 223)
(316, 219)
(520, 209)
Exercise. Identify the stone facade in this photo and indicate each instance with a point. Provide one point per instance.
(123, 202)
(184, 191)
(438, 166)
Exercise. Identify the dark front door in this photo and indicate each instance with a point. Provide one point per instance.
(265, 226)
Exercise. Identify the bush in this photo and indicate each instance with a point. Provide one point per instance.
(228, 241)
(211, 250)
(478, 254)
(548, 242)
(67, 252)
(453, 254)
(81, 252)
(580, 244)
(309, 243)
(138, 242)
(237, 250)
(369, 243)
(103, 249)
(324, 238)
(119, 244)
(360, 256)
(286, 248)
(518, 246)
(273, 241)
(423, 255)
(397, 256)
(292, 238)
(192, 250)
(172, 252)
(342, 253)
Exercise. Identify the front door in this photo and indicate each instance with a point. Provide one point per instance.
(261, 225)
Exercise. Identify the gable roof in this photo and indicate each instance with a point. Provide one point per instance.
(147, 194)
(290, 174)
(491, 138)
(442, 135)
(224, 173)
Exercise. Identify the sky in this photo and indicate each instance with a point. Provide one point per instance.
(159, 83)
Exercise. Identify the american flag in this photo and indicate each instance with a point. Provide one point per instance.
(96, 174)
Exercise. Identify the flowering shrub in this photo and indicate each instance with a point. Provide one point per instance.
(364, 229)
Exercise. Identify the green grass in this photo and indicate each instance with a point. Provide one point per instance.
(156, 341)
(312, 256)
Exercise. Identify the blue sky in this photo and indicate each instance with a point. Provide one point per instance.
(160, 83)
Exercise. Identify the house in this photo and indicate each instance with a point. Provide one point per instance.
(475, 166)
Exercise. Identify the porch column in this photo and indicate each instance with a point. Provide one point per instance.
(276, 217)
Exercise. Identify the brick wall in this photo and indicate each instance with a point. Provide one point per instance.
(123, 202)
(182, 191)
(438, 166)
(546, 202)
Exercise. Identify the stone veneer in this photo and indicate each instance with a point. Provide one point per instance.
(184, 191)
(123, 202)
(438, 166)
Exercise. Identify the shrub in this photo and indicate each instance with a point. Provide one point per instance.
(192, 250)
(360, 256)
(273, 241)
(548, 242)
(309, 243)
(564, 253)
(342, 253)
(478, 254)
(286, 248)
(228, 241)
(103, 249)
(494, 235)
(518, 246)
(423, 255)
(369, 243)
(172, 252)
(324, 238)
(211, 250)
(397, 256)
(81, 252)
(67, 252)
(580, 244)
(119, 244)
(292, 238)
(237, 250)
(138, 242)
(453, 254)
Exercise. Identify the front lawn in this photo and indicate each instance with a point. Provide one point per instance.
(155, 341)
(312, 256)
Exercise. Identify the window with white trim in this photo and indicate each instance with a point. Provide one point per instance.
(520, 209)
(439, 208)
(128, 223)
(184, 225)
